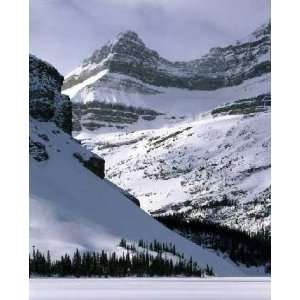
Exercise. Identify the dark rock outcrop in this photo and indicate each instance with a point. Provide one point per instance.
(94, 115)
(37, 150)
(245, 106)
(132, 198)
(46, 103)
(94, 163)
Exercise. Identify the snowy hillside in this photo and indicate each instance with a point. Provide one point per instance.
(73, 206)
(216, 168)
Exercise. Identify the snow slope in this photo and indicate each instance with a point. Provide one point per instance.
(71, 92)
(172, 101)
(175, 104)
(216, 168)
(70, 207)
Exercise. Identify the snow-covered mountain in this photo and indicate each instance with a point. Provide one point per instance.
(183, 137)
(125, 74)
(128, 55)
(72, 205)
(216, 168)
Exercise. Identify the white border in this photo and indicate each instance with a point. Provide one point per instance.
(14, 210)
(285, 149)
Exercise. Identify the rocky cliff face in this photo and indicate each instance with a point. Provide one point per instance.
(95, 115)
(47, 104)
(128, 55)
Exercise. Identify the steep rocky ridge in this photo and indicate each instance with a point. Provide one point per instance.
(47, 104)
(227, 66)
(126, 72)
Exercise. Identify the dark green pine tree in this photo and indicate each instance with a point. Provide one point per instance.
(48, 264)
(76, 263)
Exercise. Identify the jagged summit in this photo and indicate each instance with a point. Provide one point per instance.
(125, 42)
(128, 55)
(129, 43)
(129, 35)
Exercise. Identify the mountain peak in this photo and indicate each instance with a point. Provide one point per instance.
(128, 34)
(127, 54)
(127, 37)
(124, 42)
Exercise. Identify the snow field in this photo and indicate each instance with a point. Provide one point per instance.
(151, 289)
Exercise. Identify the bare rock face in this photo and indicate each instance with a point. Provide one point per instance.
(37, 150)
(94, 163)
(94, 115)
(46, 103)
(132, 198)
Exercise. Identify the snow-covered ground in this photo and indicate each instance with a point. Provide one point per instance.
(190, 166)
(151, 289)
(71, 208)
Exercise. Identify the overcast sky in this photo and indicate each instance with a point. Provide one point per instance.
(64, 32)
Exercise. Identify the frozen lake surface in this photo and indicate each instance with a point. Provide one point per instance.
(151, 289)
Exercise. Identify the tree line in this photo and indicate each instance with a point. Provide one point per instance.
(250, 249)
(155, 246)
(109, 264)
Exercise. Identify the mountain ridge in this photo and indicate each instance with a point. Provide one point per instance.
(128, 55)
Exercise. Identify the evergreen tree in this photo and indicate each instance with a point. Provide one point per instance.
(76, 263)
(48, 264)
(131, 263)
